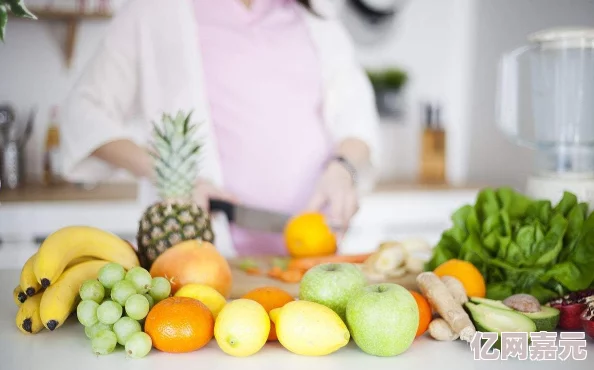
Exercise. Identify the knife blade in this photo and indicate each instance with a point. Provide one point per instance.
(255, 218)
(250, 217)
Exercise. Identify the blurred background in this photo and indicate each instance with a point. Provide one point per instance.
(434, 67)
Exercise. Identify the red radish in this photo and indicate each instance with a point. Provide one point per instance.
(569, 318)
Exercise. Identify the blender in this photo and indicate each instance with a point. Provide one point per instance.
(546, 103)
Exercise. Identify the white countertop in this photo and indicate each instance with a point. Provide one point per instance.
(68, 348)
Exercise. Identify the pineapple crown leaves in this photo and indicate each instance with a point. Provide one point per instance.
(175, 153)
(17, 8)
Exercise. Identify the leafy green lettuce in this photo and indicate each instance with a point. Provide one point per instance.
(522, 245)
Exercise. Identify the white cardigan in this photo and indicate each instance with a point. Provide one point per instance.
(149, 63)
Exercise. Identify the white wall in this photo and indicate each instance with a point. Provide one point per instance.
(431, 42)
(503, 25)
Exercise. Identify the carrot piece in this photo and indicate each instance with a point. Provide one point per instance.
(275, 272)
(250, 266)
(252, 271)
(291, 276)
(308, 262)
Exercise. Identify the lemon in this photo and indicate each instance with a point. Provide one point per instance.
(309, 328)
(242, 327)
(205, 294)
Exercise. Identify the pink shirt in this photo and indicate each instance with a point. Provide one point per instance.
(263, 81)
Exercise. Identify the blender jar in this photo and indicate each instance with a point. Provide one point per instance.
(546, 101)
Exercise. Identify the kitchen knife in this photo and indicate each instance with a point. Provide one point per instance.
(251, 218)
(254, 218)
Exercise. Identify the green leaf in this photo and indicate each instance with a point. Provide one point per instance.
(446, 249)
(459, 217)
(18, 8)
(575, 220)
(487, 204)
(472, 251)
(541, 293)
(499, 291)
(540, 210)
(567, 202)
(547, 250)
(513, 202)
(577, 272)
(3, 21)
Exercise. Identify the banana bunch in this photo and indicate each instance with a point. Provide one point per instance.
(48, 290)
(394, 259)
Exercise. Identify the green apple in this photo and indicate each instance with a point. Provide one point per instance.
(383, 319)
(332, 284)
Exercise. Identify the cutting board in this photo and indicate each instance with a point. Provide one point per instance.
(243, 282)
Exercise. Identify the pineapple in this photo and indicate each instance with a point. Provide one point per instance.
(175, 218)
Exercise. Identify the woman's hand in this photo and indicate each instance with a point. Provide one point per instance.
(336, 191)
(205, 190)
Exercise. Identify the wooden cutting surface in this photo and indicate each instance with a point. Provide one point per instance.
(243, 282)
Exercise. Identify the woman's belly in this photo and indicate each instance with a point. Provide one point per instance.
(278, 172)
(265, 99)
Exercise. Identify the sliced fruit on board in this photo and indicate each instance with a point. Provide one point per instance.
(546, 319)
(488, 318)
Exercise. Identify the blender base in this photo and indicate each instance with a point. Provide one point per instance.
(552, 187)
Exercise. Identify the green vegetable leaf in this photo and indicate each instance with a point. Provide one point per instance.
(548, 248)
(487, 204)
(447, 248)
(540, 210)
(3, 21)
(499, 291)
(18, 8)
(567, 202)
(513, 202)
(522, 245)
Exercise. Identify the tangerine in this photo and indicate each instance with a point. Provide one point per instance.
(270, 298)
(308, 235)
(470, 276)
(179, 324)
(425, 312)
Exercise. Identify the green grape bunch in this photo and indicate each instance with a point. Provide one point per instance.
(15, 7)
(113, 308)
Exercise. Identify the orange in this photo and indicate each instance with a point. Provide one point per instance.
(179, 324)
(308, 235)
(425, 312)
(270, 298)
(470, 277)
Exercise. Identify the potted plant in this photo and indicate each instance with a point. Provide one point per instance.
(16, 8)
(388, 85)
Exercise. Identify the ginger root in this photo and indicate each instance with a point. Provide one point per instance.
(442, 301)
(439, 329)
(456, 288)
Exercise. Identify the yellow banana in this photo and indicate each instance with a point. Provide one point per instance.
(18, 295)
(61, 298)
(72, 242)
(76, 261)
(28, 280)
(27, 319)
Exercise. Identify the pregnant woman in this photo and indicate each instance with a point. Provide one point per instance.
(289, 121)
